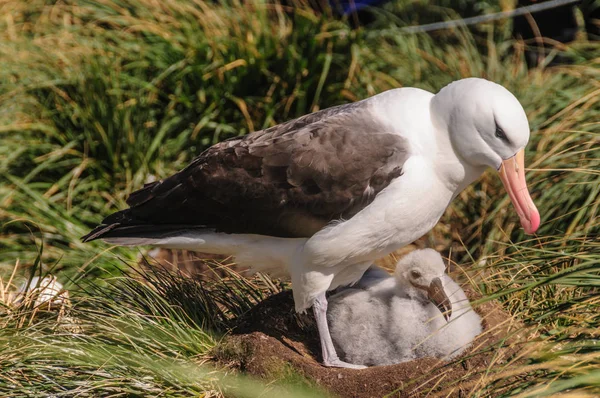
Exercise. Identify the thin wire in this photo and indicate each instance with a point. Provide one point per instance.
(490, 17)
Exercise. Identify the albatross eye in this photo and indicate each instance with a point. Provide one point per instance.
(500, 134)
(415, 274)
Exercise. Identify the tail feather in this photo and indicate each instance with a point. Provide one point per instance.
(98, 232)
(147, 231)
(114, 221)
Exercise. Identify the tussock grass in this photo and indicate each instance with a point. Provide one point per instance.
(134, 335)
(98, 97)
(551, 288)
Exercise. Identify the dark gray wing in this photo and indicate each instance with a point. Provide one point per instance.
(289, 180)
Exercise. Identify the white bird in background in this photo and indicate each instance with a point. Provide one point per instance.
(419, 312)
(47, 290)
(322, 196)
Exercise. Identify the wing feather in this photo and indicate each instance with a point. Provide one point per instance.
(287, 180)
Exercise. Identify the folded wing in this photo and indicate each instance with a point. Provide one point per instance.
(289, 180)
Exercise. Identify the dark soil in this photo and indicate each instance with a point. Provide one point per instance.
(272, 337)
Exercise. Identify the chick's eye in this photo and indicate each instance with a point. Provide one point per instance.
(415, 274)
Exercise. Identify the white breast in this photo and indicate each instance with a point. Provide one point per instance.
(403, 212)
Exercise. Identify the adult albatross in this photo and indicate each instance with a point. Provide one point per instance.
(324, 195)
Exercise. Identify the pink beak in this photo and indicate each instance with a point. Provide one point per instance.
(512, 174)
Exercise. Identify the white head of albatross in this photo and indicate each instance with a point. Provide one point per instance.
(322, 196)
(488, 127)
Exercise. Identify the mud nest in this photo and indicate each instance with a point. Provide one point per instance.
(272, 338)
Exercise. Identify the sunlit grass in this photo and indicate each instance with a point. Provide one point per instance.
(134, 335)
(98, 97)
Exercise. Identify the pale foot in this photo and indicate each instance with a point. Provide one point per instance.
(330, 357)
(338, 363)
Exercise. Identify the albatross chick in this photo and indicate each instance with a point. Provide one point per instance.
(419, 312)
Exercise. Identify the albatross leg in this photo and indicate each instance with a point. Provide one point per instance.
(330, 357)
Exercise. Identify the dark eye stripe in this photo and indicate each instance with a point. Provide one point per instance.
(500, 134)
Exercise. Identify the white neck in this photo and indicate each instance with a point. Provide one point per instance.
(454, 172)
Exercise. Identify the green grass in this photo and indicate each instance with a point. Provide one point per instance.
(145, 333)
(96, 97)
(552, 289)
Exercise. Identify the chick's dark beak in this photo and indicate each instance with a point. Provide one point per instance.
(438, 296)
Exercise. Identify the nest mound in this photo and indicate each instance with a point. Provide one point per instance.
(272, 337)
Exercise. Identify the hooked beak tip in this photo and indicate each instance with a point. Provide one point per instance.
(446, 316)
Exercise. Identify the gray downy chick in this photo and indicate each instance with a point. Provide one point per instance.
(419, 312)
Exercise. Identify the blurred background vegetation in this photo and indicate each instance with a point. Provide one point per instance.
(98, 97)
